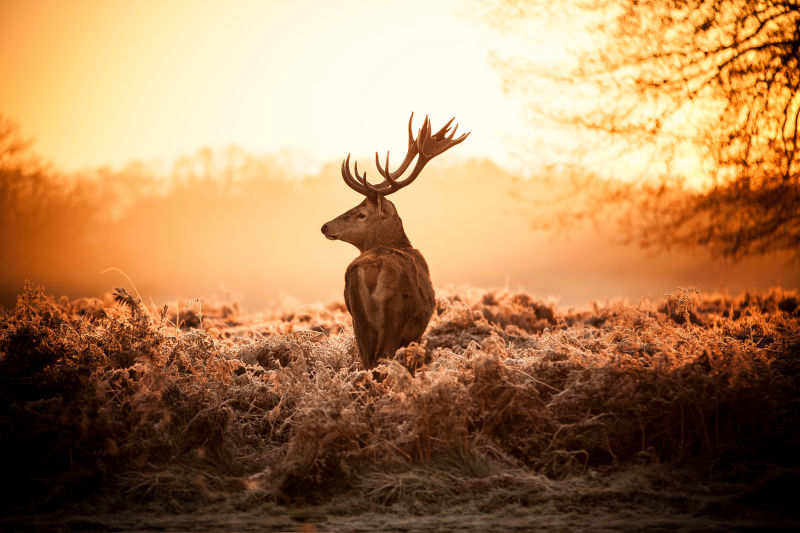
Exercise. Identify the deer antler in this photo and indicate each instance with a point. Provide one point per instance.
(425, 147)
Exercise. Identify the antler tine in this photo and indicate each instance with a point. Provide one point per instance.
(443, 132)
(391, 177)
(348, 178)
(367, 185)
(385, 173)
(463, 136)
(424, 139)
(358, 176)
(452, 133)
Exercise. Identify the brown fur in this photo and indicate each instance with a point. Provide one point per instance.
(388, 289)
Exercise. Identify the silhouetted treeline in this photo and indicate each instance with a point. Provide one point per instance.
(233, 225)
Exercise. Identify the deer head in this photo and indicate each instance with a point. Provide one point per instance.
(375, 222)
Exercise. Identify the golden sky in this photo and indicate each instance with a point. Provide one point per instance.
(98, 82)
(107, 82)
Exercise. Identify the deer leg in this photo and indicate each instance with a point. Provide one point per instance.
(367, 339)
(385, 330)
(371, 294)
(363, 329)
(390, 329)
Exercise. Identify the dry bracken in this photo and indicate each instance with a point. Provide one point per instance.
(105, 393)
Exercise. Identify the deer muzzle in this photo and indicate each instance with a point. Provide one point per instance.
(327, 232)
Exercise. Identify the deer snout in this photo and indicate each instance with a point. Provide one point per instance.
(326, 232)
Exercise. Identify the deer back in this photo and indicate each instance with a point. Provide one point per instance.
(389, 294)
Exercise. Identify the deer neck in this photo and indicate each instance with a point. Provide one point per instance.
(389, 234)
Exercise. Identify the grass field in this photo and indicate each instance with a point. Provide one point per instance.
(516, 415)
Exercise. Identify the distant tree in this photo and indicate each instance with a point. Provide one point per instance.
(43, 215)
(719, 76)
(21, 179)
(12, 144)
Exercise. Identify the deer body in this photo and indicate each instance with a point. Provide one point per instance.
(388, 289)
(389, 294)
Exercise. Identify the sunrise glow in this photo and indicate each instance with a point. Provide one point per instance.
(99, 83)
(138, 96)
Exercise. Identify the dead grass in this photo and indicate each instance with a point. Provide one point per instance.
(509, 396)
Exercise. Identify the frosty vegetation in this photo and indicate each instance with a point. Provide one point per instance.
(110, 400)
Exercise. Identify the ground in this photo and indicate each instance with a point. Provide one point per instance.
(512, 415)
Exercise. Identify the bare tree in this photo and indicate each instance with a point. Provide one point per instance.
(717, 77)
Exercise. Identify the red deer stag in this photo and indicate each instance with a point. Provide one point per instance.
(388, 288)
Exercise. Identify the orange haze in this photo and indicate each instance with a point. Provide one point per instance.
(247, 232)
(99, 83)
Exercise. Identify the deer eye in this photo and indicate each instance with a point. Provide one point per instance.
(360, 216)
